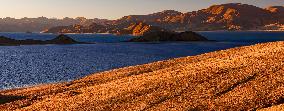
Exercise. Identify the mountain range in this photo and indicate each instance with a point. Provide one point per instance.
(9, 24)
(232, 16)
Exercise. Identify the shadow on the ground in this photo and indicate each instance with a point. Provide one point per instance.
(6, 99)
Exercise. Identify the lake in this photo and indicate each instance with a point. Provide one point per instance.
(36, 64)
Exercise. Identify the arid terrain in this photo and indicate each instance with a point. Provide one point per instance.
(245, 78)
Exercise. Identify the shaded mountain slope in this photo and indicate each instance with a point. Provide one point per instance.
(278, 12)
(245, 78)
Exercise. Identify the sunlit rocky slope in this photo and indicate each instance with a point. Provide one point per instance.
(245, 78)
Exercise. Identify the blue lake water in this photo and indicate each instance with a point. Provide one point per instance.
(35, 64)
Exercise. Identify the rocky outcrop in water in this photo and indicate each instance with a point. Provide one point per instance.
(61, 39)
(169, 36)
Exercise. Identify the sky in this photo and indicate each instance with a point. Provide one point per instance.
(109, 9)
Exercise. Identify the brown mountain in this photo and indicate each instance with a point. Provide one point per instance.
(230, 17)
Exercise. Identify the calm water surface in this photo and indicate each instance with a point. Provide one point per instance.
(36, 64)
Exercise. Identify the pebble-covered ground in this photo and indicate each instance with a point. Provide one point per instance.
(246, 78)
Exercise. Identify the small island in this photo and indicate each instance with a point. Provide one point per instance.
(60, 39)
(169, 36)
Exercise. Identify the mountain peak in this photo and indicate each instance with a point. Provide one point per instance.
(234, 7)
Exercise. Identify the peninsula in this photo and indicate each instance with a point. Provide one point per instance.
(60, 39)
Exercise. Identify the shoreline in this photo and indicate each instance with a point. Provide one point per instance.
(223, 79)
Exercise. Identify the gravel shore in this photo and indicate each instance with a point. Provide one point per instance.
(245, 78)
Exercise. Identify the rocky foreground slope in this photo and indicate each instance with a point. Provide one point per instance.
(245, 78)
